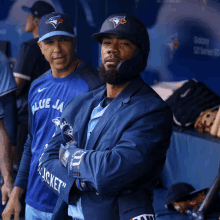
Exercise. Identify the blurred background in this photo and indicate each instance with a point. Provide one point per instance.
(184, 34)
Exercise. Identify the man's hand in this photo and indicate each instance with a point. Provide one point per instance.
(6, 191)
(64, 152)
(13, 206)
(63, 155)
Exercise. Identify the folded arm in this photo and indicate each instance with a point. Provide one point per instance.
(141, 151)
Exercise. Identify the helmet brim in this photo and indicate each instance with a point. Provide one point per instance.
(99, 36)
(56, 33)
(26, 9)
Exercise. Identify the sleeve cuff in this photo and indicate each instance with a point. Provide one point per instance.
(21, 185)
(19, 75)
(78, 184)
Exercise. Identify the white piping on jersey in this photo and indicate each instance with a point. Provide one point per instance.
(19, 75)
(11, 90)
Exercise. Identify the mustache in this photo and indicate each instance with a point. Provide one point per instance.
(112, 58)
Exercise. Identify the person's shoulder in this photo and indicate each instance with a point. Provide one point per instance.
(148, 100)
(3, 57)
(88, 69)
(80, 99)
(29, 45)
(7, 82)
(90, 75)
(31, 42)
(40, 77)
(4, 65)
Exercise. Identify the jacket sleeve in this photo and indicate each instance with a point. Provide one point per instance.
(23, 172)
(24, 65)
(140, 152)
(52, 173)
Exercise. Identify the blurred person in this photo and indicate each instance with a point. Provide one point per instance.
(68, 77)
(8, 118)
(30, 65)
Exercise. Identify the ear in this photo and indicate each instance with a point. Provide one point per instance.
(40, 45)
(36, 21)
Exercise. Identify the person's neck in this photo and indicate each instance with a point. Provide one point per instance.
(114, 90)
(35, 32)
(65, 72)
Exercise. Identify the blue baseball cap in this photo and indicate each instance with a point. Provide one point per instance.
(54, 24)
(39, 9)
(126, 26)
(181, 192)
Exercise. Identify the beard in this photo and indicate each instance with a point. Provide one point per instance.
(112, 76)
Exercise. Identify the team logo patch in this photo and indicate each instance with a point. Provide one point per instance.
(118, 20)
(76, 159)
(67, 131)
(144, 217)
(55, 21)
(56, 121)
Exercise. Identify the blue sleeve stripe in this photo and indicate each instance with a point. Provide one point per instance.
(11, 90)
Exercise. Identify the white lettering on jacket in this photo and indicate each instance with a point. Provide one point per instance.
(144, 217)
(53, 181)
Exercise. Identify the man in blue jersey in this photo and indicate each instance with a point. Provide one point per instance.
(30, 65)
(109, 150)
(8, 117)
(67, 78)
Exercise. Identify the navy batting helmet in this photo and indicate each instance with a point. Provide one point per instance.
(127, 26)
(131, 28)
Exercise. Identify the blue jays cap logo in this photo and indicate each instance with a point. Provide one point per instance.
(55, 21)
(118, 20)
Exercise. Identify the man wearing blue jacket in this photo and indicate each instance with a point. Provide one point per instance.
(110, 147)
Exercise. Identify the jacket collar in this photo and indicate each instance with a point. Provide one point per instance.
(125, 94)
(123, 98)
(83, 118)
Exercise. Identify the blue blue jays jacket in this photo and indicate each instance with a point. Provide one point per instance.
(122, 161)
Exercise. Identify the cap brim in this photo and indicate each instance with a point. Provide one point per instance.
(194, 193)
(99, 36)
(191, 195)
(55, 33)
(26, 9)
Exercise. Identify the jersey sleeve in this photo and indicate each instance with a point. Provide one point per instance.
(23, 172)
(7, 82)
(8, 110)
(25, 61)
(1, 111)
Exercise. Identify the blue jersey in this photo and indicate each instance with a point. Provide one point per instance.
(47, 98)
(7, 97)
(7, 81)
